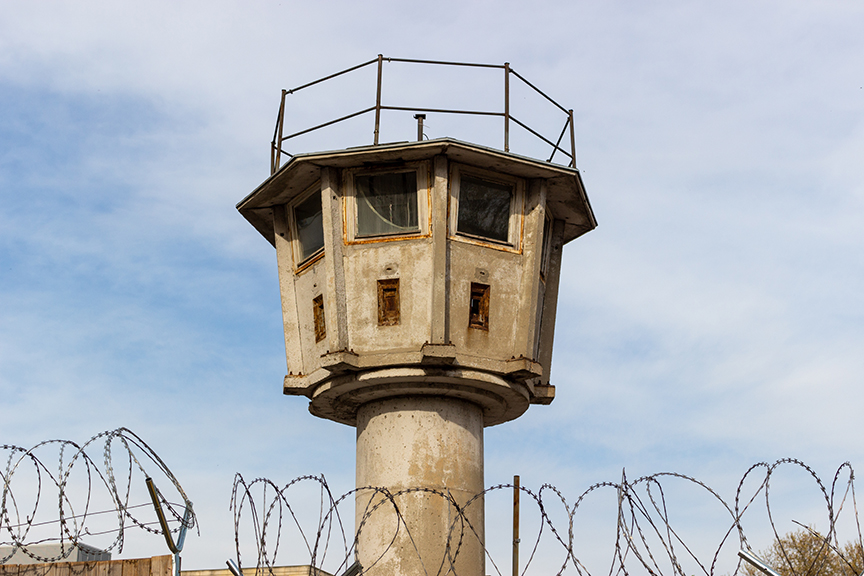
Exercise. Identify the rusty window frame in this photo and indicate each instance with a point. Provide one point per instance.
(517, 207)
(299, 261)
(403, 200)
(388, 302)
(478, 306)
(423, 177)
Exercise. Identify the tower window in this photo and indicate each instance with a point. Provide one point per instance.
(484, 208)
(478, 307)
(309, 225)
(388, 302)
(386, 203)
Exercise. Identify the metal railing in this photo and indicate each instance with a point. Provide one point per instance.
(276, 150)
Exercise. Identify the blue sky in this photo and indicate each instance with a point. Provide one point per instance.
(712, 320)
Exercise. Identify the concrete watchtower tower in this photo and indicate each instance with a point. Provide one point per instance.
(419, 285)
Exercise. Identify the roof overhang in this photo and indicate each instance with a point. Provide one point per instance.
(565, 192)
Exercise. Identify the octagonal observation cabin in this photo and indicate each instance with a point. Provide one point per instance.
(425, 268)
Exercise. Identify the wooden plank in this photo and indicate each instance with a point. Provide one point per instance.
(114, 568)
(160, 565)
(82, 568)
(101, 568)
(136, 567)
(27, 569)
(35, 570)
(59, 569)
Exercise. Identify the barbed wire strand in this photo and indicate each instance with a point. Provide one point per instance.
(74, 503)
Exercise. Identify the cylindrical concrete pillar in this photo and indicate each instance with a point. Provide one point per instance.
(427, 451)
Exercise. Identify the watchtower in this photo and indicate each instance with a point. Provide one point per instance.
(419, 283)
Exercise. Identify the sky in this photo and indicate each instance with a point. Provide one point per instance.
(713, 319)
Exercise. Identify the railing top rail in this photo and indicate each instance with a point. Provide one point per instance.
(325, 78)
(445, 63)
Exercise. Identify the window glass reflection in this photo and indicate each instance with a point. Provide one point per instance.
(386, 203)
(484, 208)
(310, 225)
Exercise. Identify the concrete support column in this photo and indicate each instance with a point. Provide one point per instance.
(430, 442)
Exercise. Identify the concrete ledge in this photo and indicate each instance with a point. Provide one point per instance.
(338, 398)
(543, 394)
(518, 371)
(438, 353)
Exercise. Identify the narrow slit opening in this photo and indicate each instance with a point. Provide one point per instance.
(318, 314)
(478, 308)
(388, 302)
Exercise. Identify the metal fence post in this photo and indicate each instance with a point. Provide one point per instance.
(506, 106)
(378, 99)
(515, 525)
(276, 153)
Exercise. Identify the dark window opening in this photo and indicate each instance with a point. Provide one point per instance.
(318, 314)
(386, 203)
(479, 307)
(484, 208)
(388, 302)
(310, 226)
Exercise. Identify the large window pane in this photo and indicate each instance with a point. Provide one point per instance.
(386, 203)
(310, 226)
(484, 208)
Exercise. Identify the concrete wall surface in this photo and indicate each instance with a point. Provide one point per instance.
(428, 453)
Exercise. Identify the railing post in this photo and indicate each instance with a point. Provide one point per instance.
(378, 99)
(515, 525)
(276, 153)
(572, 142)
(506, 106)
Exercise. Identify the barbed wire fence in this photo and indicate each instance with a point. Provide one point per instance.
(646, 539)
(82, 491)
(60, 492)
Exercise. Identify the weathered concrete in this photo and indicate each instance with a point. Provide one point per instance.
(435, 266)
(340, 398)
(424, 331)
(434, 444)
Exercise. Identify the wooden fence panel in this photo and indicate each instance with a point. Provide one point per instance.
(156, 566)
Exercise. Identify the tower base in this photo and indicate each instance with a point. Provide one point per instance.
(419, 508)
